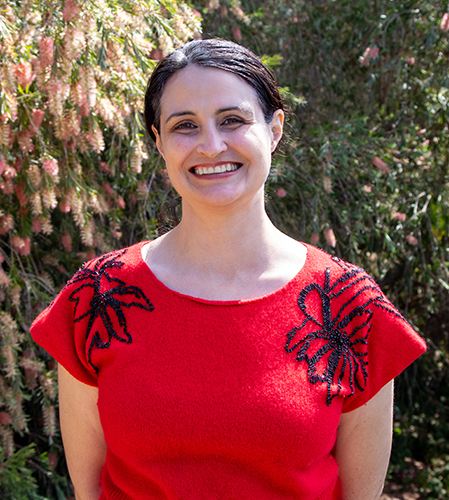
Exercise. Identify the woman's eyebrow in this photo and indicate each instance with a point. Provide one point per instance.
(241, 107)
(179, 113)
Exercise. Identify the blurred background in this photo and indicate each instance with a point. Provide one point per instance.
(362, 173)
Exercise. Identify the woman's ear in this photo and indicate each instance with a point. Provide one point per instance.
(158, 141)
(277, 127)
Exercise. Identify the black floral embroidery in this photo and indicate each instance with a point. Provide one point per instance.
(338, 345)
(97, 276)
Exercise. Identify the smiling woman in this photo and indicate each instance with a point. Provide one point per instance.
(219, 149)
(224, 359)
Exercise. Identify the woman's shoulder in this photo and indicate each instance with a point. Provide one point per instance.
(110, 266)
(345, 285)
(92, 309)
(118, 271)
(124, 259)
(320, 263)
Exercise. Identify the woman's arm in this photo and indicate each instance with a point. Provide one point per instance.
(82, 435)
(363, 446)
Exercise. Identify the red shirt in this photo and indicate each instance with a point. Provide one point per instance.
(225, 399)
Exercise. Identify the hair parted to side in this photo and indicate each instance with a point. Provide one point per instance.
(214, 53)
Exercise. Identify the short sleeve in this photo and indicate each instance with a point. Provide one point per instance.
(56, 330)
(386, 342)
(350, 339)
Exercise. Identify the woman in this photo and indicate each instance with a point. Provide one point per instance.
(224, 359)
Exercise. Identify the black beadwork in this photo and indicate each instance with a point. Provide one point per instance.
(102, 300)
(345, 345)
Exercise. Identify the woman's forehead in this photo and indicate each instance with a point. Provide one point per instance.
(203, 87)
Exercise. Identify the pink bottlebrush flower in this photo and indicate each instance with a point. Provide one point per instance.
(7, 186)
(66, 240)
(374, 52)
(5, 280)
(3, 165)
(155, 55)
(121, 202)
(8, 135)
(381, 165)
(399, 216)
(5, 418)
(109, 190)
(364, 59)
(24, 73)
(21, 245)
(237, 34)
(445, 22)
(54, 90)
(71, 10)
(6, 223)
(24, 138)
(74, 43)
(411, 61)
(105, 167)
(282, 193)
(9, 171)
(64, 205)
(20, 193)
(46, 51)
(76, 93)
(84, 107)
(51, 167)
(315, 238)
(411, 239)
(330, 237)
(116, 234)
(18, 164)
(36, 226)
(27, 247)
(37, 115)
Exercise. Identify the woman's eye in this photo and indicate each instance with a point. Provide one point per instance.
(184, 126)
(232, 121)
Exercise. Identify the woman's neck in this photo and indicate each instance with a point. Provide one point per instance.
(235, 239)
(225, 256)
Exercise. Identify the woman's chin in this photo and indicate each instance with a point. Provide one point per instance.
(220, 198)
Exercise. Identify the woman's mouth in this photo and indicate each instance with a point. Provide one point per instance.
(217, 169)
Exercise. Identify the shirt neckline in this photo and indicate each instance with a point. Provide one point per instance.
(274, 293)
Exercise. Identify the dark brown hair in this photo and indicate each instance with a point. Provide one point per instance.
(220, 54)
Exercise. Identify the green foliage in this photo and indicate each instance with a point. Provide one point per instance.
(364, 170)
(363, 173)
(78, 177)
(16, 479)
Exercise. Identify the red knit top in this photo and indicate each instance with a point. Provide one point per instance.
(225, 399)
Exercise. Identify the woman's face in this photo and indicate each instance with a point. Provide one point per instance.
(214, 139)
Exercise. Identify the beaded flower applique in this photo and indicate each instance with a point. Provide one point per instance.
(107, 298)
(335, 342)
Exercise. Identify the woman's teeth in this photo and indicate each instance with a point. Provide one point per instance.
(226, 167)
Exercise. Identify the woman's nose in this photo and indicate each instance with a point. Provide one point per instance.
(211, 143)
